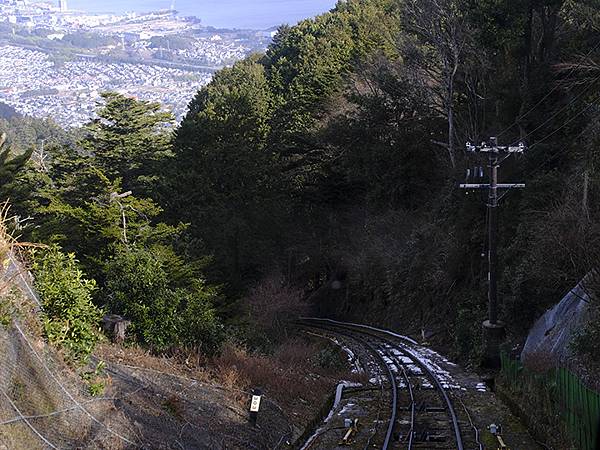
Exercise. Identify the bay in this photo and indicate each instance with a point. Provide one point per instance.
(253, 14)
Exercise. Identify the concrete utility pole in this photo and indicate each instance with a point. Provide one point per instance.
(494, 329)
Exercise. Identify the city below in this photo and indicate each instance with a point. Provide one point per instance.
(55, 62)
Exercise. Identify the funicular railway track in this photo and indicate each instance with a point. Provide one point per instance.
(420, 413)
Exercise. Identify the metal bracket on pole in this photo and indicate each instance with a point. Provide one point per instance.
(487, 186)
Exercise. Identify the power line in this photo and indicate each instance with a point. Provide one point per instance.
(556, 113)
(554, 89)
(566, 123)
(546, 161)
(539, 166)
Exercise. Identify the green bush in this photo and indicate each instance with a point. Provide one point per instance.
(5, 313)
(467, 332)
(71, 319)
(330, 358)
(201, 328)
(140, 287)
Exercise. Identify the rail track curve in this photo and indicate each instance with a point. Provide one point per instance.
(421, 412)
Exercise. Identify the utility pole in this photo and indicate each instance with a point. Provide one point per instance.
(494, 329)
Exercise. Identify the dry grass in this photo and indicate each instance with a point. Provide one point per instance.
(540, 362)
(174, 406)
(10, 247)
(293, 374)
(294, 380)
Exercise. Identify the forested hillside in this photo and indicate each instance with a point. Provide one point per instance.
(337, 157)
(324, 176)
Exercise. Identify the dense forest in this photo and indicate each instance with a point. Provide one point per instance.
(322, 176)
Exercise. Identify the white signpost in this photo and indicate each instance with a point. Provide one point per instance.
(255, 406)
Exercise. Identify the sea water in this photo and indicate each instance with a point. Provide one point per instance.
(253, 14)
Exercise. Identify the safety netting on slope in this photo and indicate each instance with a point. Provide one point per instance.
(44, 405)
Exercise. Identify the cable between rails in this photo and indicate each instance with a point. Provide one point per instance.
(390, 430)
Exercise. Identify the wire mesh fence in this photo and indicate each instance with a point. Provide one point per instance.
(44, 404)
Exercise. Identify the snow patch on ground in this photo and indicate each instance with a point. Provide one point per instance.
(347, 409)
(409, 348)
(341, 386)
(481, 387)
(352, 358)
(432, 360)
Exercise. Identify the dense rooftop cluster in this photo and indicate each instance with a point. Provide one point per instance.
(34, 85)
(56, 63)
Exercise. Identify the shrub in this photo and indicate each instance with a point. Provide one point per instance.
(95, 379)
(585, 341)
(71, 319)
(140, 287)
(272, 304)
(200, 326)
(467, 333)
(5, 313)
(330, 358)
(293, 371)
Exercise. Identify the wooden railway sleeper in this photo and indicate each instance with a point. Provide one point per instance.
(431, 436)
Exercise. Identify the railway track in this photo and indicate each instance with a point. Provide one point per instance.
(420, 410)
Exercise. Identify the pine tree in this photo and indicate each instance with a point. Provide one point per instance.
(11, 164)
(129, 140)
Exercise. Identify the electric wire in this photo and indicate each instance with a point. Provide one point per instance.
(552, 133)
(556, 113)
(554, 89)
(560, 150)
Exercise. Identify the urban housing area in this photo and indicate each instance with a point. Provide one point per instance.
(55, 62)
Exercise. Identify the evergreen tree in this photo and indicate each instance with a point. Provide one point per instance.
(10, 164)
(225, 181)
(129, 140)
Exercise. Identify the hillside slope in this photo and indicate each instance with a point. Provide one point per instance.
(46, 404)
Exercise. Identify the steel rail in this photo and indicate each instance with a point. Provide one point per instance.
(394, 388)
(475, 429)
(368, 330)
(391, 378)
(412, 406)
(401, 369)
